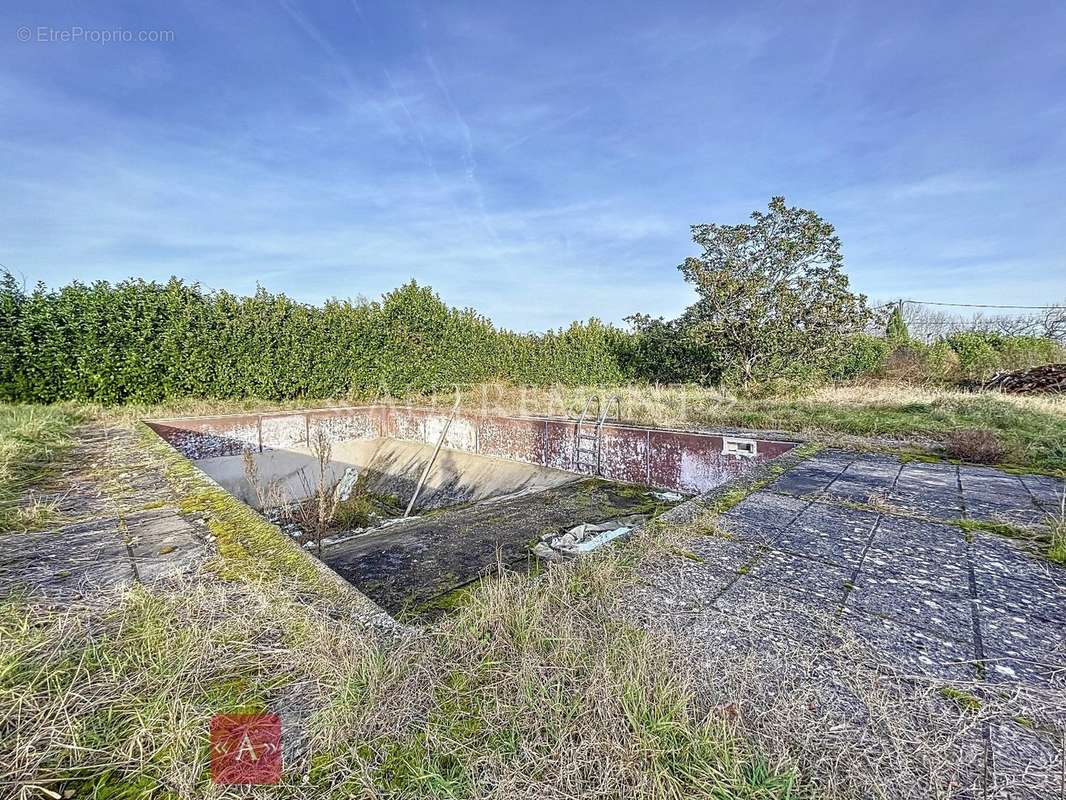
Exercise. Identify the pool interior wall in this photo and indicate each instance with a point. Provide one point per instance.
(690, 462)
(393, 468)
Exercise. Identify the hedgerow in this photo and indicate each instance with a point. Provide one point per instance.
(146, 341)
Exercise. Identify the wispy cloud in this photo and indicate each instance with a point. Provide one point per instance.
(540, 164)
(548, 127)
(943, 185)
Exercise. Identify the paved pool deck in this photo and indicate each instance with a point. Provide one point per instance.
(876, 543)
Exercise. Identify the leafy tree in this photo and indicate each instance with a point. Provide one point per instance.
(896, 330)
(773, 297)
(661, 352)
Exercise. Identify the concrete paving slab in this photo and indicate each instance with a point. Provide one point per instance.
(1024, 764)
(913, 650)
(992, 495)
(761, 511)
(830, 533)
(980, 472)
(843, 491)
(1006, 556)
(950, 578)
(1046, 490)
(920, 554)
(76, 560)
(916, 536)
(944, 505)
(947, 615)
(866, 479)
(864, 490)
(935, 475)
(692, 587)
(806, 483)
(813, 476)
(1028, 593)
(1010, 671)
(824, 582)
(928, 597)
(1014, 575)
(725, 553)
(1021, 635)
(776, 610)
(1009, 512)
(931, 490)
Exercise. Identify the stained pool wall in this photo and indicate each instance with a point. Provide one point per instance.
(685, 461)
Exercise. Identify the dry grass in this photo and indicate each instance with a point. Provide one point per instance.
(975, 446)
(33, 441)
(533, 689)
(1056, 528)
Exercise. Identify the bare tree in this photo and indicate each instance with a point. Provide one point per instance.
(928, 323)
(1054, 323)
(326, 500)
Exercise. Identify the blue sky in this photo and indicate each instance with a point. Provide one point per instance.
(540, 162)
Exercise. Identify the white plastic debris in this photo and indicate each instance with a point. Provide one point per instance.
(670, 497)
(600, 539)
(585, 537)
(346, 484)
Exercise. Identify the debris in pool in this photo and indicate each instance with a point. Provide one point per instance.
(670, 497)
(585, 537)
(345, 485)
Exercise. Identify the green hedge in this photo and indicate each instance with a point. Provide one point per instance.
(146, 341)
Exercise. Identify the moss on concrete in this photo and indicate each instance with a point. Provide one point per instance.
(248, 547)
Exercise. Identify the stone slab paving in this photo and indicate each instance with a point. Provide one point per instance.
(875, 541)
(77, 560)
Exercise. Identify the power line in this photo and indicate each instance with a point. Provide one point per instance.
(971, 305)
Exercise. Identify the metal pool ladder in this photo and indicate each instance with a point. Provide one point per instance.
(587, 433)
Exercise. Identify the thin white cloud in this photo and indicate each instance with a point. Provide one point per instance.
(942, 185)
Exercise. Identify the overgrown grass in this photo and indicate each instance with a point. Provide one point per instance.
(533, 688)
(545, 692)
(33, 441)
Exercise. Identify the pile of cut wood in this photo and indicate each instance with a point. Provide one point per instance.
(1046, 379)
